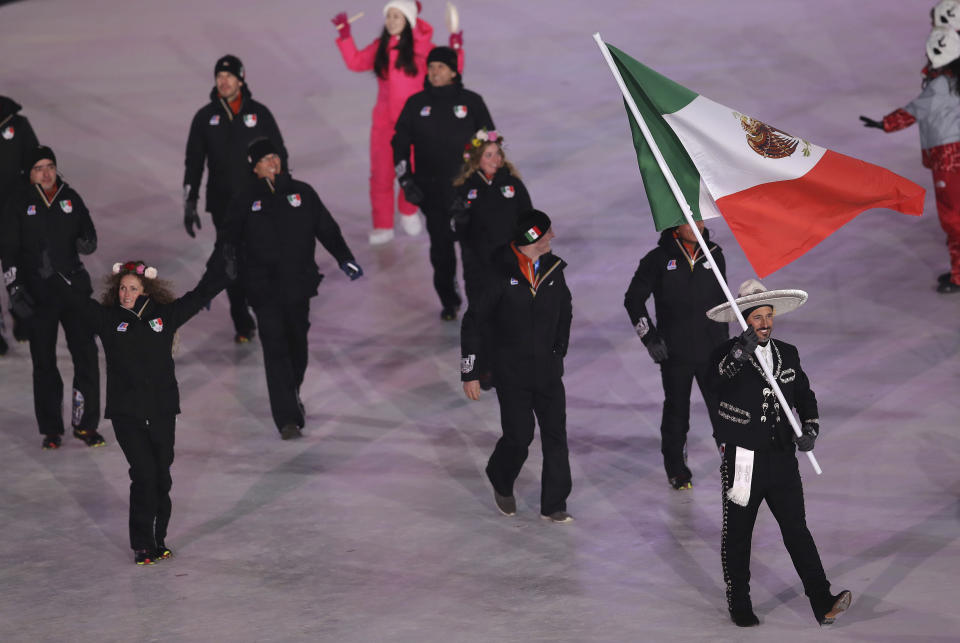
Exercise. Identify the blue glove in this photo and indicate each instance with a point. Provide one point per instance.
(352, 269)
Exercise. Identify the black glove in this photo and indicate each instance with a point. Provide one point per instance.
(190, 216)
(229, 261)
(743, 348)
(411, 190)
(869, 122)
(808, 437)
(352, 269)
(657, 349)
(459, 215)
(21, 303)
(86, 246)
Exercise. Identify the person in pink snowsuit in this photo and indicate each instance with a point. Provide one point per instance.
(398, 58)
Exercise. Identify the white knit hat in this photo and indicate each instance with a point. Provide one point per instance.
(407, 7)
(753, 294)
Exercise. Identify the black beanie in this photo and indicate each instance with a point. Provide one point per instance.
(36, 155)
(231, 64)
(531, 225)
(445, 55)
(258, 148)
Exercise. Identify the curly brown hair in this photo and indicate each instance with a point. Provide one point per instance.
(159, 290)
(472, 162)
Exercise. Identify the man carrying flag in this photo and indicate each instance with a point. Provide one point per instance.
(781, 195)
(758, 453)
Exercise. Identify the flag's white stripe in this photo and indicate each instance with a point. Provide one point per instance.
(708, 207)
(717, 144)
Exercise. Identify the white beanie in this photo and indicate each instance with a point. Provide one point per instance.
(407, 7)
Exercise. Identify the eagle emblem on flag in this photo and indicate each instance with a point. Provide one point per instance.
(294, 200)
(250, 120)
(460, 111)
(8, 133)
(770, 142)
(66, 205)
(508, 191)
(156, 325)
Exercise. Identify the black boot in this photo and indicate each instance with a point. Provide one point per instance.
(828, 608)
(744, 617)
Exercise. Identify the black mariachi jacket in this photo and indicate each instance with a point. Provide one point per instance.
(750, 415)
(492, 208)
(438, 122)
(138, 348)
(275, 228)
(222, 138)
(43, 239)
(16, 138)
(683, 291)
(528, 326)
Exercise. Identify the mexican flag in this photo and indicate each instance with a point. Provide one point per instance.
(780, 194)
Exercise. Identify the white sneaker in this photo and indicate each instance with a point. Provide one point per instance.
(379, 236)
(411, 224)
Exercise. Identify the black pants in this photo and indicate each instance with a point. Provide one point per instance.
(283, 335)
(518, 406)
(243, 323)
(776, 479)
(443, 256)
(148, 446)
(53, 311)
(677, 377)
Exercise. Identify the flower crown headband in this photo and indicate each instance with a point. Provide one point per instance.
(481, 138)
(135, 268)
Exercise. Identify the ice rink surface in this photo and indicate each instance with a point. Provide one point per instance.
(379, 524)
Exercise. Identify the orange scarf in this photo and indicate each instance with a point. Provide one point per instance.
(525, 263)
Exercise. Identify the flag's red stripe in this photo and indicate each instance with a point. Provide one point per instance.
(777, 222)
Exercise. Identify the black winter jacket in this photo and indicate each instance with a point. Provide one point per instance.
(275, 228)
(528, 328)
(438, 122)
(750, 415)
(16, 138)
(683, 291)
(138, 349)
(221, 138)
(490, 210)
(44, 238)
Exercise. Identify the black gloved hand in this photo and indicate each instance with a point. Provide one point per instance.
(352, 269)
(869, 122)
(411, 190)
(86, 246)
(805, 441)
(190, 216)
(459, 213)
(657, 349)
(21, 303)
(229, 261)
(743, 348)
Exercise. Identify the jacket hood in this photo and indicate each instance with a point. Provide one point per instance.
(8, 107)
(244, 91)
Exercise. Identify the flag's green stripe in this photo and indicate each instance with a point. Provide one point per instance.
(665, 95)
(666, 212)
